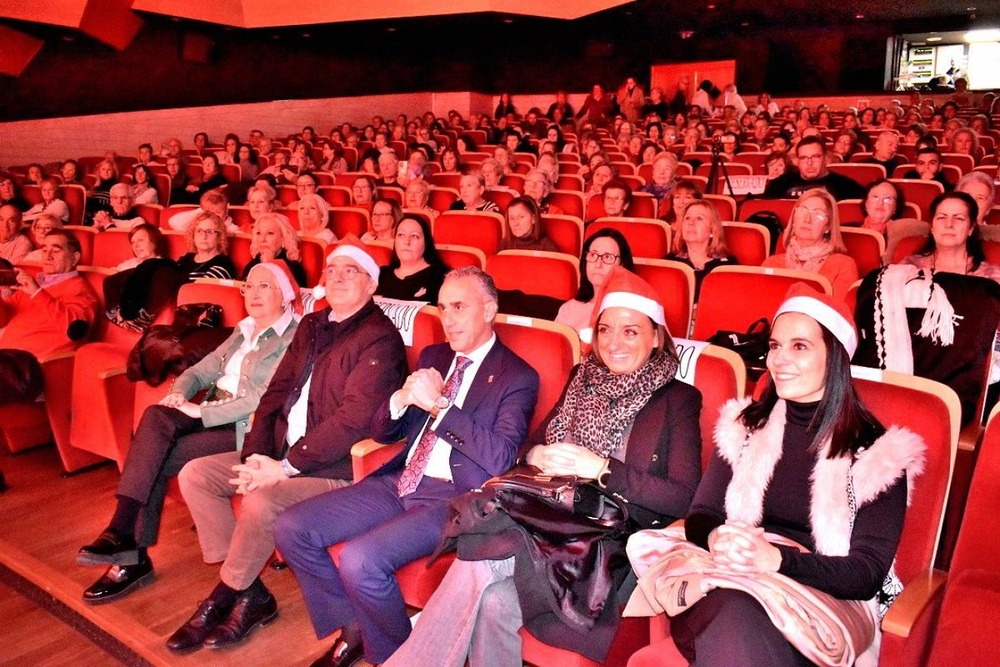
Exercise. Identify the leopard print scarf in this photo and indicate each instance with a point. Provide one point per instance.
(599, 406)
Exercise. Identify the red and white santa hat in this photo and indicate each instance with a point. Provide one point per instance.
(351, 246)
(624, 289)
(830, 312)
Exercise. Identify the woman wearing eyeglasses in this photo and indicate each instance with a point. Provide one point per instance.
(602, 251)
(178, 430)
(207, 243)
(883, 201)
(813, 243)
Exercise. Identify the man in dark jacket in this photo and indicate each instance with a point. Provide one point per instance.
(812, 173)
(343, 363)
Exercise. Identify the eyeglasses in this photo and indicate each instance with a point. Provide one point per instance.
(615, 197)
(250, 288)
(206, 232)
(381, 215)
(348, 273)
(605, 258)
(810, 158)
(887, 199)
(818, 215)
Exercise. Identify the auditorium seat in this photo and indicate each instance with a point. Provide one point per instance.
(748, 242)
(501, 198)
(346, 220)
(565, 231)
(919, 192)
(441, 198)
(87, 237)
(647, 237)
(960, 160)
(862, 174)
(335, 195)
(851, 214)
(674, 284)
(111, 248)
(865, 246)
(150, 213)
(780, 207)
(171, 211)
(724, 205)
(458, 256)
(571, 202)
(552, 274)
(471, 228)
(75, 197)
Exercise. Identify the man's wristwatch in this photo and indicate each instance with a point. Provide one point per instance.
(441, 403)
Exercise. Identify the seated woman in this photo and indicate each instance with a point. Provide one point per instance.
(207, 244)
(936, 314)
(70, 172)
(602, 251)
(883, 201)
(524, 227)
(981, 188)
(261, 199)
(42, 225)
(143, 191)
(177, 430)
(147, 242)
(35, 174)
(415, 272)
(813, 243)
(248, 160)
(806, 463)
(686, 193)
(273, 238)
(50, 204)
(180, 182)
(363, 192)
(417, 196)
(314, 219)
(99, 197)
(777, 164)
(538, 186)
(306, 183)
(471, 187)
(386, 214)
(702, 245)
(965, 141)
(664, 181)
(211, 177)
(625, 423)
(333, 158)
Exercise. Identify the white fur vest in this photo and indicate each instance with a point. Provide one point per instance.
(753, 459)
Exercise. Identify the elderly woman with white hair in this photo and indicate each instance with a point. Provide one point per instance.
(273, 238)
(314, 219)
(50, 204)
(177, 430)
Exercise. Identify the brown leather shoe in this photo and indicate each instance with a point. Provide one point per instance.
(190, 635)
(341, 654)
(252, 609)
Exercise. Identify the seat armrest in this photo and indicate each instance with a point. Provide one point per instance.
(917, 595)
(112, 372)
(368, 456)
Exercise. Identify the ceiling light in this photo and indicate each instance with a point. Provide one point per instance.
(933, 39)
(988, 35)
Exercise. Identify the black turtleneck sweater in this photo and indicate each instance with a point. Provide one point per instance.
(877, 527)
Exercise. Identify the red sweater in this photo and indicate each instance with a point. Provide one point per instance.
(39, 324)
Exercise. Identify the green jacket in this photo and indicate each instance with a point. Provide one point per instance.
(258, 365)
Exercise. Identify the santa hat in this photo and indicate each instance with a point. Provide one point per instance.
(831, 313)
(351, 246)
(286, 282)
(624, 289)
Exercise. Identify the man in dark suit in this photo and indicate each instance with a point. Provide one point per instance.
(459, 433)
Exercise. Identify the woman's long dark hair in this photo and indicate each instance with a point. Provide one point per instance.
(431, 255)
(586, 291)
(842, 416)
(974, 244)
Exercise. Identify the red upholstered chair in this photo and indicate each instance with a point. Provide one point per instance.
(87, 237)
(381, 251)
(643, 205)
(862, 174)
(171, 211)
(753, 158)
(919, 192)
(866, 246)
(239, 251)
(457, 256)
(734, 167)
(570, 181)
(733, 297)
(965, 632)
(566, 231)
(346, 220)
(335, 195)
(552, 274)
(851, 212)
(781, 207)
(501, 198)
(960, 160)
(724, 205)
(287, 194)
(75, 197)
(470, 228)
(441, 198)
(513, 181)
(674, 283)
(931, 410)
(907, 246)
(748, 242)
(646, 237)
(150, 213)
(446, 179)
(111, 248)
(242, 218)
(572, 202)
(385, 192)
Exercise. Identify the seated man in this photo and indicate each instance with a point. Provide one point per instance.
(51, 312)
(343, 362)
(13, 244)
(122, 214)
(212, 201)
(884, 152)
(459, 433)
(928, 167)
(812, 173)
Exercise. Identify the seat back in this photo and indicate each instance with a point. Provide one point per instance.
(719, 374)
(674, 284)
(781, 207)
(850, 212)
(458, 256)
(571, 202)
(748, 242)
(471, 228)
(976, 546)
(335, 195)
(446, 179)
(644, 205)
(960, 160)
(724, 205)
(75, 197)
(862, 174)
(111, 248)
(552, 274)
(552, 349)
(566, 231)
(239, 251)
(225, 293)
(441, 198)
(150, 213)
(346, 220)
(87, 237)
(908, 245)
(171, 211)
(919, 192)
(646, 237)
(733, 297)
(381, 251)
(312, 254)
(865, 246)
(501, 198)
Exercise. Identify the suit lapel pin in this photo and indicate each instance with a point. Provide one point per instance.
(489, 380)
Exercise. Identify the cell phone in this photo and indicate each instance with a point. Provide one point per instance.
(8, 278)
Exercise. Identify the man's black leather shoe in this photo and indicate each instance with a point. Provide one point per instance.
(341, 654)
(190, 635)
(118, 581)
(110, 548)
(252, 609)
